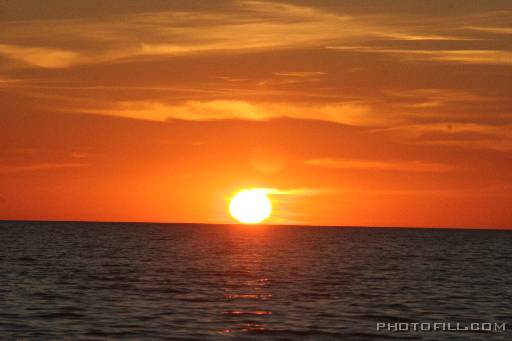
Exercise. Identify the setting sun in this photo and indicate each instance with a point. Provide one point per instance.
(250, 206)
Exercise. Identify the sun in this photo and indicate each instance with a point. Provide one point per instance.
(250, 206)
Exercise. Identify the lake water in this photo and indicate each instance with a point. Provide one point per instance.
(103, 281)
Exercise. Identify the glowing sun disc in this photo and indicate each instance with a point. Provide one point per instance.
(250, 206)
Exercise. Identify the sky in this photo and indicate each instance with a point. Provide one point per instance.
(372, 113)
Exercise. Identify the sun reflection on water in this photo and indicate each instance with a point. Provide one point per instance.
(247, 292)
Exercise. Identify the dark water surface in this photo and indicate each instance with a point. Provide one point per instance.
(98, 281)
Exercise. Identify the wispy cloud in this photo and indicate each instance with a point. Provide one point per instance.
(248, 25)
(292, 77)
(434, 97)
(465, 135)
(495, 30)
(342, 112)
(242, 26)
(9, 82)
(300, 74)
(388, 165)
(298, 192)
(287, 202)
(38, 167)
(414, 116)
(497, 57)
(40, 56)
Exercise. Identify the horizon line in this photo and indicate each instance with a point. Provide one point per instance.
(492, 228)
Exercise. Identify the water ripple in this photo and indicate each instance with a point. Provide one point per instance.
(70, 281)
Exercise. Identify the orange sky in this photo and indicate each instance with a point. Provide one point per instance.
(379, 113)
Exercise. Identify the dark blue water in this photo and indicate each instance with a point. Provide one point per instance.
(97, 281)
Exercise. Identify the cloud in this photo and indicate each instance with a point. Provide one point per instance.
(341, 112)
(495, 30)
(413, 116)
(391, 165)
(497, 57)
(287, 202)
(434, 97)
(40, 56)
(298, 192)
(291, 77)
(300, 74)
(247, 25)
(38, 167)
(8, 82)
(240, 26)
(465, 135)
